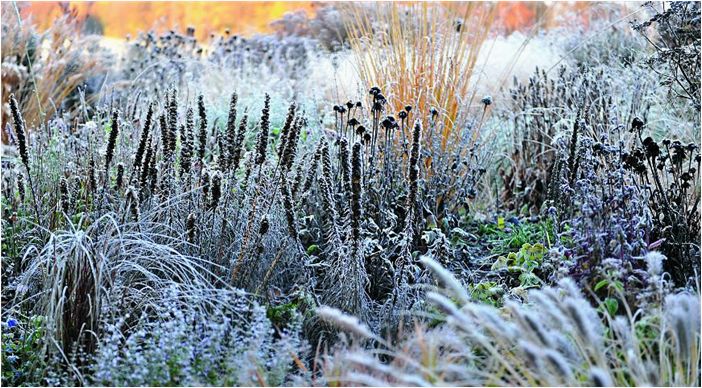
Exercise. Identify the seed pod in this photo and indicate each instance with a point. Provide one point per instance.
(262, 143)
(19, 131)
(112, 140)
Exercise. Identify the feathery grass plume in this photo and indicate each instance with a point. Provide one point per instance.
(202, 113)
(20, 186)
(231, 128)
(191, 227)
(356, 193)
(284, 133)
(289, 207)
(187, 147)
(216, 189)
(19, 131)
(141, 148)
(65, 195)
(111, 142)
(262, 143)
(132, 199)
(119, 181)
(238, 144)
(413, 211)
(165, 134)
(345, 164)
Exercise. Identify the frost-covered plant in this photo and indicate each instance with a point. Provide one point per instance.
(218, 346)
(557, 339)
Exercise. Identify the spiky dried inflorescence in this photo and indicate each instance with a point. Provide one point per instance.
(414, 172)
(216, 189)
(356, 191)
(326, 159)
(284, 133)
(165, 134)
(92, 176)
(202, 137)
(65, 195)
(231, 125)
(146, 166)
(262, 143)
(191, 227)
(112, 141)
(172, 106)
(238, 144)
(345, 165)
(289, 207)
(290, 150)
(312, 172)
(187, 147)
(119, 181)
(20, 187)
(144, 137)
(205, 182)
(19, 131)
(133, 203)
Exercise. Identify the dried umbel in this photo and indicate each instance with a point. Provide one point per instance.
(112, 141)
(141, 148)
(202, 137)
(19, 131)
(262, 143)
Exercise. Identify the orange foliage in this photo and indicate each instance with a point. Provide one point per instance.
(121, 18)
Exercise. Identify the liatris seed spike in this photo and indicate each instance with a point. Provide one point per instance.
(144, 137)
(345, 164)
(187, 147)
(92, 178)
(120, 176)
(216, 189)
(19, 131)
(191, 227)
(203, 127)
(283, 140)
(262, 143)
(356, 191)
(20, 187)
(231, 126)
(238, 144)
(291, 144)
(289, 207)
(112, 141)
(65, 195)
(414, 172)
(165, 134)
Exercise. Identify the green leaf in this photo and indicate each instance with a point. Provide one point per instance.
(601, 284)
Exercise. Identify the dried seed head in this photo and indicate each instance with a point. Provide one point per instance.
(191, 227)
(165, 134)
(288, 205)
(263, 229)
(231, 128)
(19, 131)
(203, 127)
(262, 143)
(284, 133)
(20, 187)
(65, 195)
(187, 147)
(238, 144)
(92, 176)
(216, 189)
(144, 137)
(356, 191)
(133, 203)
(120, 176)
(112, 140)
